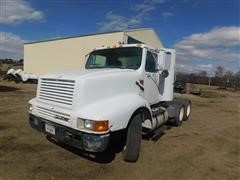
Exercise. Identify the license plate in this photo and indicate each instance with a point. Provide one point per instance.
(50, 129)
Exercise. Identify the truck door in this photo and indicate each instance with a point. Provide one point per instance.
(166, 84)
(151, 78)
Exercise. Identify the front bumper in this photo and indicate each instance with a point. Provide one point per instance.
(72, 137)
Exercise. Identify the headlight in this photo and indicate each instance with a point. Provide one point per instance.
(30, 108)
(88, 124)
(98, 126)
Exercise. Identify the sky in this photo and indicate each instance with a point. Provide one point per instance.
(205, 33)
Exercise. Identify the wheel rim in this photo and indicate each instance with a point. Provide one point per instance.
(181, 114)
(188, 110)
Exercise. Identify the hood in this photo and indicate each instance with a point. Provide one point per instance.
(89, 86)
(82, 74)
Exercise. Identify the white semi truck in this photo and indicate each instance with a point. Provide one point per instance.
(127, 88)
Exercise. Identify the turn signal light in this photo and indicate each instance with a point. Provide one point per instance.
(100, 126)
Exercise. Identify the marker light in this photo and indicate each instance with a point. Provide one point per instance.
(30, 108)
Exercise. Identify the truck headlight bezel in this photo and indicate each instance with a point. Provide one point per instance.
(93, 125)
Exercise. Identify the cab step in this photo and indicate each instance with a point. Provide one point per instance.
(158, 133)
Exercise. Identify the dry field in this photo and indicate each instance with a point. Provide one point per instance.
(205, 147)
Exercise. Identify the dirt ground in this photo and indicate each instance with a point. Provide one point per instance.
(205, 147)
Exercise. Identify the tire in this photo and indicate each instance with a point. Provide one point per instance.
(133, 141)
(179, 114)
(188, 108)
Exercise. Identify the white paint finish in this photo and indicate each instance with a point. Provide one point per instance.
(36, 103)
(158, 88)
(151, 90)
(151, 80)
(109, 94)
(169, 81)
(118, 110)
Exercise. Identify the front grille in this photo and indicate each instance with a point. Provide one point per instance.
(48, 113)
(57, 90)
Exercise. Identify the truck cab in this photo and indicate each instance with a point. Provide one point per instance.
(123, 87)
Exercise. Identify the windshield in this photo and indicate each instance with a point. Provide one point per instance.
(125, 58)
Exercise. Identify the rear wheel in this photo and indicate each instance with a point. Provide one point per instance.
(188, 108)
(133, 142)
(179, 114)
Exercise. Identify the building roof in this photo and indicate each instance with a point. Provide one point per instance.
(93, 34)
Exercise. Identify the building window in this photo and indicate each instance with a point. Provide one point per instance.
(132, 40)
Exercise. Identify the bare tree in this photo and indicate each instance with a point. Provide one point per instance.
(203, 73)
(229, 79)
(229, 74)
(219, 72)
(237, 74)
(237, 80)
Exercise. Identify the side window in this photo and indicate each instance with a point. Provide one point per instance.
(100, 60)
(151, 62)
(97, 61)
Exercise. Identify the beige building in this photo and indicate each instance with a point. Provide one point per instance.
(69, 53)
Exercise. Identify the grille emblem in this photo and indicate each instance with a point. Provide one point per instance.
(60, 118)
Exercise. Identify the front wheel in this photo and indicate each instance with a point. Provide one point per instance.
(133, 142)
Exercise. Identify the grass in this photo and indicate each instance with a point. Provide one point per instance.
(212, 94)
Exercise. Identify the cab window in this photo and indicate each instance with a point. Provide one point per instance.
(124, 58)
(151, 62)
